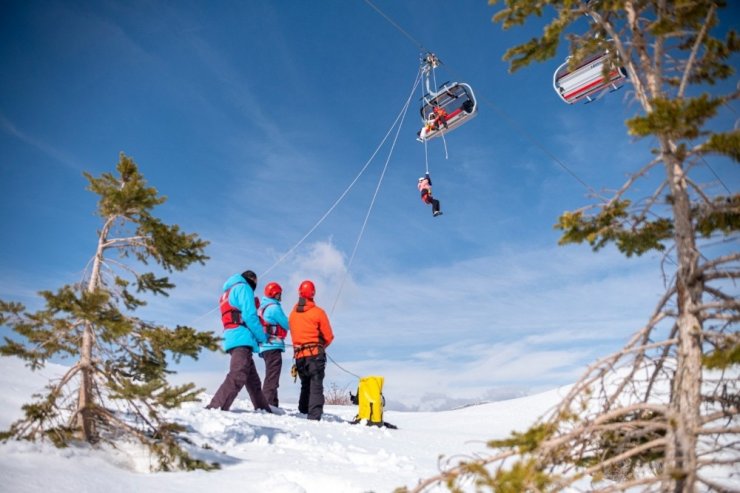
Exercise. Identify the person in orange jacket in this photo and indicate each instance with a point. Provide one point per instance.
(311, 334)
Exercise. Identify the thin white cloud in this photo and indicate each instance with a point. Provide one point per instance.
(50, 151)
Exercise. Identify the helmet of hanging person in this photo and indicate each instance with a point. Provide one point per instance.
(273, 290)
(307, 290)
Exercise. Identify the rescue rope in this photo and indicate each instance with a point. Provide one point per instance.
(426, 156)
(346, 191)
(358, 377)
(426, 151)
(400, 120)
(400, 117)
(400, 29)
(442, 132)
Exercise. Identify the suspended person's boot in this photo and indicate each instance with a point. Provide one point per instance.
(437, 213)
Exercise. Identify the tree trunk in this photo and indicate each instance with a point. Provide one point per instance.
(86, 429)
(681, 453)
(85, 422)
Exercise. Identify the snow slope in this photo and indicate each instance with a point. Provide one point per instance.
(263, 452)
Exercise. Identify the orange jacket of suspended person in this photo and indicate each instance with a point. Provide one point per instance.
(310, 329)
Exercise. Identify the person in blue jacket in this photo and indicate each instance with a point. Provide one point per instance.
(276, 326)
(242, 334)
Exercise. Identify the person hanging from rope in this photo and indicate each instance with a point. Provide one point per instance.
(425, 187)
(242, 334)
(311, 333)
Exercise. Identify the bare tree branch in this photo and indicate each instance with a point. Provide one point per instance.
(695, 51)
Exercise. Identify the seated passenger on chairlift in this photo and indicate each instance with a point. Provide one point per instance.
(448, 108)
(437, 117)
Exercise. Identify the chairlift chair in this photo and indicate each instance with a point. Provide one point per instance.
(587, 81)
(456, 99)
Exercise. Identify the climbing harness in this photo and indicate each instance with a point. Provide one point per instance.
(272, 330)
(311, 348)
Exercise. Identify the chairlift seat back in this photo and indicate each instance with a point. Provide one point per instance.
(587, 81)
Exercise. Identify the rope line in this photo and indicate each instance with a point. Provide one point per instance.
(402, 115)
(341, 197)
(358, 377)
(715, 174)
(400, 29)
(540, 146)
(426, 149)
(442, 132)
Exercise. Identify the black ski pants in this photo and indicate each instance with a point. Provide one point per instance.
(428, 199)
(273, 366)
(242, 373)
(311, 372)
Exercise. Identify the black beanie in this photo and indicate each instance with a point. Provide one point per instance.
(251, 278)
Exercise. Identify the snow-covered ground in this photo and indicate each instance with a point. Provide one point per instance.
(261, 452)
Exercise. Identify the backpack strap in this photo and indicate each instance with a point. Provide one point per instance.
(231, 317)
(272, 330)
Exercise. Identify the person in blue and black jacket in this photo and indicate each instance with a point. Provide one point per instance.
(242, 334)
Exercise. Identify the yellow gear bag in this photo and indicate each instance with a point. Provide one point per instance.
(370, 400)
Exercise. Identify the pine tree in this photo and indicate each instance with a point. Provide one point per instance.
(117, 388)
(658, 413)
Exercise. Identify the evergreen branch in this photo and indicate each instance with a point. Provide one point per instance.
(617, 195)
(695, 50)
(718, 293)
(109, 416)
(650, 202)
(722, 316)
(699, 191)
(626, 59)
(717, 305)
(625, 486)
(449, 475)
(126, 242)
(659, 366)
(714, 275)
(731, 430)
(632, 345)
(640, 47)
(720, 337)
(713, 264)
(656, 443)
(51, 397)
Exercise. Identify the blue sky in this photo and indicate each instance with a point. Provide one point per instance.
(254, 117)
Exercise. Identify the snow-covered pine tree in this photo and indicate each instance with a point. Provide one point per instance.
(117, 387)
(662, 412)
